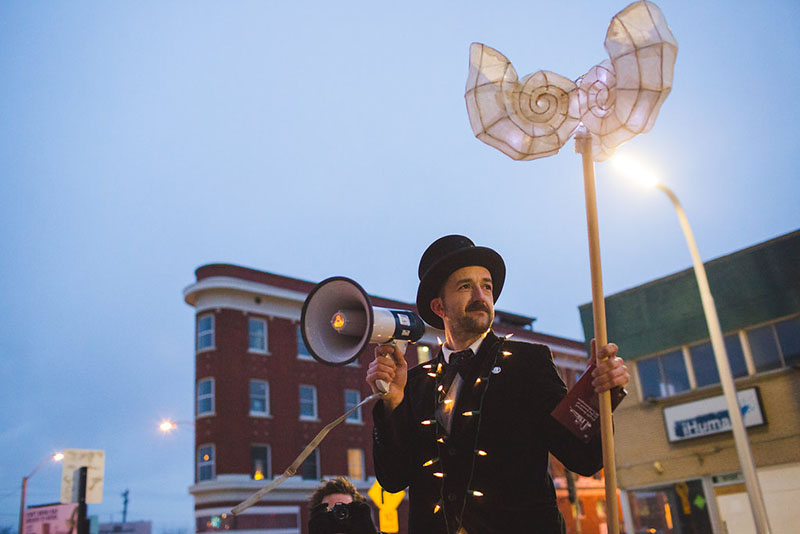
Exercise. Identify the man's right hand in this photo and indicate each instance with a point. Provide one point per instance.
(390, 366)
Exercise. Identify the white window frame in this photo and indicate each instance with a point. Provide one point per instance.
(313, 389)
(354, 418)
(250, 348)
(212, 395)
(266, 412)
(199, 333)
(212, 462)
(268, 466)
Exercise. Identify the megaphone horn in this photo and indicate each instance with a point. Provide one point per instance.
(338, 321)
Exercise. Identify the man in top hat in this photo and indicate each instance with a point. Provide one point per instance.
(470, 431)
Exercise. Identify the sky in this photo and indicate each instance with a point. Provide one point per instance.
(140, 140)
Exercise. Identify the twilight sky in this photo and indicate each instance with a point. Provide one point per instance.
(139, 140)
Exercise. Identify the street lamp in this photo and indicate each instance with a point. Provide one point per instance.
(57, 457)
(168, 425)
(633, 169)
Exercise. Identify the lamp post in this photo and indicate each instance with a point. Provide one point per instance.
(57, 457)
(633, 170)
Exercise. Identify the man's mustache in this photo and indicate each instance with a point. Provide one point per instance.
(478, 305)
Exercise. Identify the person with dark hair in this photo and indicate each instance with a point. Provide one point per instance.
(336, 490)
(338, 508)
(469, 432)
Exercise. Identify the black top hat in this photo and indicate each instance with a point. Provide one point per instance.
(445, 256)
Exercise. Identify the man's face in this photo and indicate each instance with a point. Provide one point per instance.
(335, 498)
(466, 305)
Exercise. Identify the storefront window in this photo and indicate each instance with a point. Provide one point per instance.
(680, 508)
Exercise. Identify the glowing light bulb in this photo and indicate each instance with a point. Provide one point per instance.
(58, 456)
(481, 453)
(436, 508)
(438, 474)
(430, 462)
(477, 493)
(338, 321)
(427, 422)
(506, 353)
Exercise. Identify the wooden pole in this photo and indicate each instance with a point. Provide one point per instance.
(583, 145)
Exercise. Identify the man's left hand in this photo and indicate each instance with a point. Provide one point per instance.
(611, 371)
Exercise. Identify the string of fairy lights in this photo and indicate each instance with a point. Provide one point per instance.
(445, 402)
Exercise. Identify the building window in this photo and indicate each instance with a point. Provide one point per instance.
(257, 329)
(205, 332)
(771, 346)
(259, 397)
(205, 396)
(308, 402)
(423, 353)
(764, 346)
(260, 465)
(205, 463)
(663, 375)
(309, 469)
(355, 464)
(351, 398)
(302, 351)
(789, 340)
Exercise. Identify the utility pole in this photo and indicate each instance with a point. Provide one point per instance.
(125, 505)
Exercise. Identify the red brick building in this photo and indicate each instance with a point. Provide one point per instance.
(260, 398)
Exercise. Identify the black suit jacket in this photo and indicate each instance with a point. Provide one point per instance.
(510, 388)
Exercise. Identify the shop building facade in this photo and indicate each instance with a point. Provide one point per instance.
(676, 458)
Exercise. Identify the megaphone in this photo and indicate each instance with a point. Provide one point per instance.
(339, 320)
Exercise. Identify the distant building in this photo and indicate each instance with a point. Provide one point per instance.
(260, 398)
(676, 459)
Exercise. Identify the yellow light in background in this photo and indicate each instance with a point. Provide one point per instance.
(57, 457)
(477, 493)
(436, 508)
(206, 457)
(634, 170)
(481, 453)
(338, 321)
(257, 476)
(668, 515)
(438, 475)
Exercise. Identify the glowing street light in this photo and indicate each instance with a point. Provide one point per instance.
(57, 457)
(632, 169)
(168, 425)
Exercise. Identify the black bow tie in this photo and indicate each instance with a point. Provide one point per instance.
(460, 358)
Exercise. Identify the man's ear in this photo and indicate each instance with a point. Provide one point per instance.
(437, 307)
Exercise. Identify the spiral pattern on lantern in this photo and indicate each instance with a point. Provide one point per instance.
(540, 103)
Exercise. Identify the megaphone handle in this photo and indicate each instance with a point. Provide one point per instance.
(402, 345)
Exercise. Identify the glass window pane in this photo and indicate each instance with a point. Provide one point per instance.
(308, 469)
(260, 462)
(355, 464)
(258, 337)
(301, 346)
(733, 346)
(789, 338)
(650, 378)
(351, 398)
(675, 377)
(308, 402)
(204, 388)
(765, 350)
(704, 364)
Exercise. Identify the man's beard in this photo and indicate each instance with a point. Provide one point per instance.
(475, 324)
